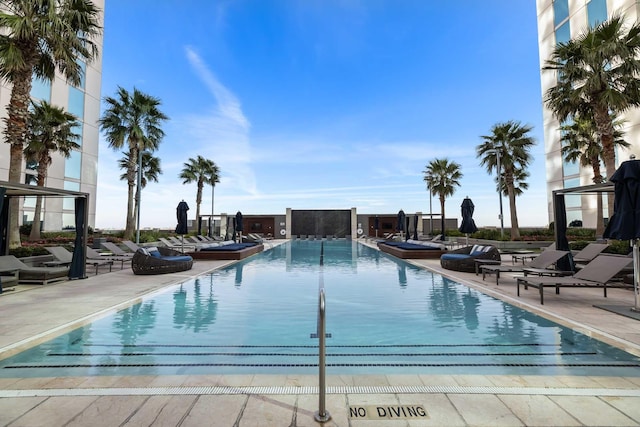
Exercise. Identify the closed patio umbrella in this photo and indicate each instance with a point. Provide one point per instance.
(468, 225)
(181, 213)
(239, 226)
(376, 224)
(415, 227)
(625, 222)
(401, 219)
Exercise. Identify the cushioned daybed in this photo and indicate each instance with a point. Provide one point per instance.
(159, 260)
(412, 249)
(228, 250)
(464, 259)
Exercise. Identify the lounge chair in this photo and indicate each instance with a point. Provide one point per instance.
(463, 259)
(597, 274)
(116, 250)
(539, 265)
(132, 246)
(92, 254)
(23, 273)
(252, 237)
(589, 252)
(173, 245)
(64, 257)
(159, 260)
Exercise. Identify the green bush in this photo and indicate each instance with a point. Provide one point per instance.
(620, 247)
(26, 251)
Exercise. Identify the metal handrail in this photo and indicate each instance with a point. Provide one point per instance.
(322, 415)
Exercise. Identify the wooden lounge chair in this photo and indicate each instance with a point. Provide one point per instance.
(64, 257)
(116, 250)
(539, 265)
(17, 270)
(597, 274)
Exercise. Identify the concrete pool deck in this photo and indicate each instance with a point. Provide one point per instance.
(33, 314)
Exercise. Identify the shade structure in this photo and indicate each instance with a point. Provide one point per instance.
(415, 227)
(468, 225)
(181, 213)
(625, 223)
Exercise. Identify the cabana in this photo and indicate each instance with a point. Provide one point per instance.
(9, 190)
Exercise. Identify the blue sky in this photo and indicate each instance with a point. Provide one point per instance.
(324, 104)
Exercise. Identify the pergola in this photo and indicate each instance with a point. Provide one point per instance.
(9, 190)
(560, 211)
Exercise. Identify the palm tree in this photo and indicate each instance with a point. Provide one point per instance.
(150, 171)
(50, 130)
(201, 171)
(442, 177)
(132, 121)
(597, 77)
(38, 37)
(511, 142)
(581, 143)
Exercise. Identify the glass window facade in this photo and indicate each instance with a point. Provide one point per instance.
(596, 12)
(572, 200)
(570, 168)
(76, 102)
(563, 33)
(560, 11)
(69, 202)
(41, 89)
(68, 221)
(73, 165)
(78, 131)
(83, 67)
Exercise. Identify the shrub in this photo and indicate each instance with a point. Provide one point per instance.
(26, 251)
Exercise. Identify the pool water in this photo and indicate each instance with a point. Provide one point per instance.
(259, 316)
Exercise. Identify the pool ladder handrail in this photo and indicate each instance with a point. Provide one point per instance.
(322, 415)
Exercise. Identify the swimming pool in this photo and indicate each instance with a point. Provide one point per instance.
(258, 316)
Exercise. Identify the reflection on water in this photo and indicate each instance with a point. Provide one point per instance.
(135, 322)
(198, 313)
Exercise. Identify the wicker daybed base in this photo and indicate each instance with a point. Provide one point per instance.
(147, 264)
(411, 253)
(227, 255)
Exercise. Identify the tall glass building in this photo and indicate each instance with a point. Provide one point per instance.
(559, 21)
(79, 172)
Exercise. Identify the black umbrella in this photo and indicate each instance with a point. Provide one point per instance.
(468, 225)
(181, 213)
(239, 226)
(625, 223)
(78, 266)
(401, 217)
(415, 227)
